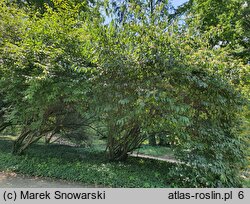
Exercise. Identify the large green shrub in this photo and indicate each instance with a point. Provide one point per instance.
(45, 71)
(141, 75)
(167, 78)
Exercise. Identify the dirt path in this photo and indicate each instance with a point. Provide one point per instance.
(163, 158)
(12, 180)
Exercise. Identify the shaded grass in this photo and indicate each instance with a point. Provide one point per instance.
(157, 151)
(84, 165)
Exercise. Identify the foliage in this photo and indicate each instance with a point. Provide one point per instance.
(62, 71)
(225, 24)
(84, 165)
(45, 72)
(124, 11)
(173, 82)
(157, 151)
(90, 167)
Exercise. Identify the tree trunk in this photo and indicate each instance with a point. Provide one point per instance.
(3, 126)
(19, 142)
(118, 148)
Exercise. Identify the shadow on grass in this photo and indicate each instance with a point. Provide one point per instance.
(5, 145)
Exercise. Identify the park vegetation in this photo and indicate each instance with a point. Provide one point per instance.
(129, 72)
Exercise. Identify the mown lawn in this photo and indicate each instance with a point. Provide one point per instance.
(84, 165)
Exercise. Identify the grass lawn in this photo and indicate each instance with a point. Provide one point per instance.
(157, 151)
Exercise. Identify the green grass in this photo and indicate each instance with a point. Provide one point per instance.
(99, 145)
(84, 165)
(157, 151)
